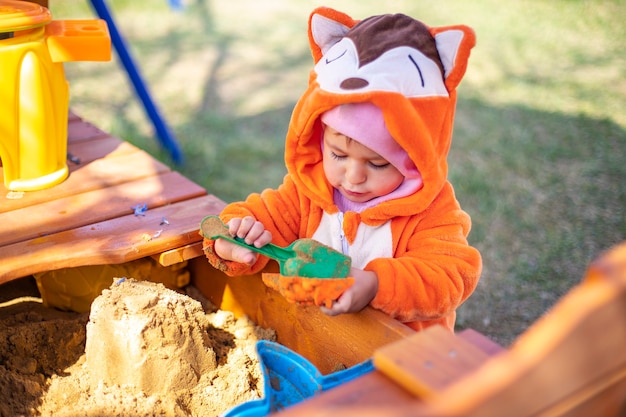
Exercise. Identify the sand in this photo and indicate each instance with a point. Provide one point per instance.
(143, 350)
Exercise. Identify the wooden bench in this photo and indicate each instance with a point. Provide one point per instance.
(88, 221)
(89, 218)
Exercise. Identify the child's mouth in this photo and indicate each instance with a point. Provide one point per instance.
(353, 194)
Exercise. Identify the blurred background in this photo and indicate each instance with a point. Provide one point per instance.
(539, 151)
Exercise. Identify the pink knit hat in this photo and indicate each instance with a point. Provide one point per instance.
(364, 123)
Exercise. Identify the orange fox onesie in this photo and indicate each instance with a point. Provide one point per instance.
(416, 244)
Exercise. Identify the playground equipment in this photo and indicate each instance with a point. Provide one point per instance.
(34, 92)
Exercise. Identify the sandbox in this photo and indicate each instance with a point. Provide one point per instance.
(143, 350)
(162, 363)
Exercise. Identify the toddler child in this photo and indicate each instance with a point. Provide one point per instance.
(366, 155)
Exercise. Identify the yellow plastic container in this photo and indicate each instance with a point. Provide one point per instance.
(74, 289)
(34, 92)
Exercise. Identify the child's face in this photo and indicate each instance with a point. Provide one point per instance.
(359, 173)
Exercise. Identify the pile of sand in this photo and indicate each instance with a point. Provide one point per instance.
(143, 350)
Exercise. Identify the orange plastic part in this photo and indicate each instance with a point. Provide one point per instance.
(308, 291)
(78, 40)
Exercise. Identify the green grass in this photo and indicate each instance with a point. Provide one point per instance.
(538, 152)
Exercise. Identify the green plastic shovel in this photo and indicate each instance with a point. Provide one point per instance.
(303, 258)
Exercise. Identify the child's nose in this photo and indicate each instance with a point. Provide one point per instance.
(355, 173)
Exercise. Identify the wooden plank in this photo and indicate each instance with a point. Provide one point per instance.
(87, 151)
(80, 130)
(113, 169)
(577, 347)
(179, 255)
(374, 394)
(72, 117)
(113, 241)
(605, 397)
(330, 343)
(94, 206)
(481, 341)
(429, 361)
(359, 396)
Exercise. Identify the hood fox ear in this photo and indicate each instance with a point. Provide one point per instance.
(454, 44)
(326, 27)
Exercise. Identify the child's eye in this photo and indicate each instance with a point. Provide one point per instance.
(379, 166)
(335, 156)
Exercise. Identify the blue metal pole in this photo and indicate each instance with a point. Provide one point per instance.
(163, 132)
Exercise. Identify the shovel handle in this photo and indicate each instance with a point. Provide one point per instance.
(270, 250)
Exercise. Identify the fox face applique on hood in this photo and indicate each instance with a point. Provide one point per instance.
(415, 243)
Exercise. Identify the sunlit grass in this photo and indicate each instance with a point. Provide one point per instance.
(538, 152)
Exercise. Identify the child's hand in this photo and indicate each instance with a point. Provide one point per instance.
(249, 229)
(358, 296)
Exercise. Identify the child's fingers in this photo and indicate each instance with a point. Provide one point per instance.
(233, 226)
(339, 306)
(328, 311)
(245, 225)
(263, 239)
(255, 232)
(232, 252)
(243, 255)
(247, 228)
(251, 230)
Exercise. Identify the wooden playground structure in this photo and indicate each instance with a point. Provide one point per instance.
(571, 362)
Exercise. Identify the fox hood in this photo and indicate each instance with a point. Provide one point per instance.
(407, 69)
